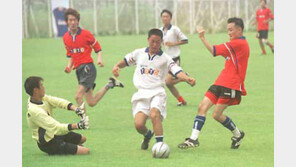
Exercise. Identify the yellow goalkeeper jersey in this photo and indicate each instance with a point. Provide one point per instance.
(40, 118)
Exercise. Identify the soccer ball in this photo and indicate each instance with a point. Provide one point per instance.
(160, 150)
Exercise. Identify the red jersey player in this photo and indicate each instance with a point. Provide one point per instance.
(263, 16)
(79, 44)
(228, 87)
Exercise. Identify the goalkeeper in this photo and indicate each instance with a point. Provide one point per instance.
(52, 136)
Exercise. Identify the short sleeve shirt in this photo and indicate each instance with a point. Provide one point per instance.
(236, 54)
(79, 46)
(261, 16)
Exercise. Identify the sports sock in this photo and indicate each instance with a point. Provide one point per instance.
(109, 85)
(180, 99)
(236, 133)
(148, 134)
(159, 138)
(229, 124)
(197, 125)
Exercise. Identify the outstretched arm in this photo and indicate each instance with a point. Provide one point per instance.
(201, 34)
(184, 77)
(117, 67)
(181, 42)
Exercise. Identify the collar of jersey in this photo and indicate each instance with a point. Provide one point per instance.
(78, 32)
(242, 37)
(158, 53)
(170, 26)
(35, 102)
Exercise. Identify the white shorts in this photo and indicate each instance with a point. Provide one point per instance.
(145, 104)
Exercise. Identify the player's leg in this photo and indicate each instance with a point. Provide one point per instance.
(140, 125)
(82, 150)
(229, 124)
(170, 82)
(92, 100)
(260, 36)
(79, 94)
(156, 119)
(74, 138)
(198, 123)
(270, 45)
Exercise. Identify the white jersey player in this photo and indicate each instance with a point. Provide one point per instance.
(173, 37)
(152, 67)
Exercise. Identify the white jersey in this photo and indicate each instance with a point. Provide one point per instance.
(173, 34)
(151, 70)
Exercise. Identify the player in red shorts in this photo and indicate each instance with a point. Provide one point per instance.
(228, 87)
(263, 16)
(79, 44)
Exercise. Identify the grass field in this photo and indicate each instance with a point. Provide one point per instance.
(112, 138)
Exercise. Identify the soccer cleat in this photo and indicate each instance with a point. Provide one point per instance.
(114, 83)
(184, 103)
(189, 143)
(237, 141)
(145, 143)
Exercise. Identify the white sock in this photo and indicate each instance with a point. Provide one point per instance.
(194, 134)
(236, 133)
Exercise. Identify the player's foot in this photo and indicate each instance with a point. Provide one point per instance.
(272, 50)
(236, 141)
(145, 143)
(189, 143)
(180, 103)
(113, 82)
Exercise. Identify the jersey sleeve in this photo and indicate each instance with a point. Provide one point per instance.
(91, 40)
(68, 54)
(173, 67)
(57, 102)
(131, 58)
(41, 119)
(220, 50)
(181, 35)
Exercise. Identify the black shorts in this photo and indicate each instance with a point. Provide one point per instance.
(262, 34)
(65, 144)
(177, 60)
(222, 95)
(86, 75)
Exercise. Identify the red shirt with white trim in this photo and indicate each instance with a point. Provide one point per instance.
(79, 46)
(261, 16)
(236, 54)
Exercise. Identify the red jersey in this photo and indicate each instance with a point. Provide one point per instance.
(261, 15)
(79, 46)
(236, 53)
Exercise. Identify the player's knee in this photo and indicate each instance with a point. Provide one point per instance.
(139, 126)
(264, 41)
(91, 103)
(168, 83)
(154, 115)
(86, 150)
(201, 109)
(83, 139)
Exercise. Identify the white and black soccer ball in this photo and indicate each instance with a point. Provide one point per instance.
(160, 150)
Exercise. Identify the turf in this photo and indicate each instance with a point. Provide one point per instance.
(112, 138)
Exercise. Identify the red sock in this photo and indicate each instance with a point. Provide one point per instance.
(180, 99)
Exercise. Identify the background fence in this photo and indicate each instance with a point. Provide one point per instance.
(110, 17)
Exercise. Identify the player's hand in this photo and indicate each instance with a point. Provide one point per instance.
(116, 71)
(169, 44)
(201, 32)
(100, 63)
(67, 69)
(80, 111)
(191, 81)
(265, 21)
(84, 123)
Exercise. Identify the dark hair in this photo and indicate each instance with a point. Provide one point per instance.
(263, 0)
(31, 83)
(155, 31)
(71, 11)
(237, 22)
(166, 11)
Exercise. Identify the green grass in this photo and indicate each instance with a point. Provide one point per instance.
(112, 138)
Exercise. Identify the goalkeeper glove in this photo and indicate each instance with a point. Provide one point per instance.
(80, 111)
(84, 123)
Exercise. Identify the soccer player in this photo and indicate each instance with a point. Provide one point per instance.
(152, 66)
(172, 39)
(53, 137)
(228, 87)
(263, 17)
(79, 44)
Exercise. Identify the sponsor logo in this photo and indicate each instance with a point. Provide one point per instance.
(77, 50)
(150, 71)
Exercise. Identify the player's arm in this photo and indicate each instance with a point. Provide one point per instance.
(69, 66)
(43, 120)
(181, 42)
(100, 61)
(177, 71)
(118, 66)
(65, 104)
(201, 34)
(184, 77)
